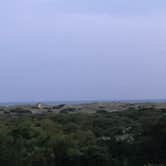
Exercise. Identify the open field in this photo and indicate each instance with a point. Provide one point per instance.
(78, 108)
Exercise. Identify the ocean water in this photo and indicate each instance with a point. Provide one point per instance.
(44, 102)
(83, 102)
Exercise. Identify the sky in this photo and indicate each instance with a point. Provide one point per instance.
(59, 50)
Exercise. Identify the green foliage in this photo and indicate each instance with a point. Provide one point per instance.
(103, 139)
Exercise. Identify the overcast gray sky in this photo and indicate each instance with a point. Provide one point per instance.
(82, 50)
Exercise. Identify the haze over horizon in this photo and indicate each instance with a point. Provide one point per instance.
(81, 50)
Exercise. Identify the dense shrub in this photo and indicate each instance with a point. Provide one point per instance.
(103, 139)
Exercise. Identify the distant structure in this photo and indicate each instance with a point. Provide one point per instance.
(40, 106)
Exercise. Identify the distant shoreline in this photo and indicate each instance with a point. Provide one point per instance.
(82, 102)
